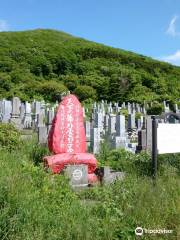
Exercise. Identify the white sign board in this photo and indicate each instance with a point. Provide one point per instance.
(168, 138)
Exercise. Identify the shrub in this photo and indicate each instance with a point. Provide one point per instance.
(85, 92)
(117, 159)
(138, 115)
(155, 109)
(103, 155)
(51, 90)
(71, 81)
(38, 152)
(142, 164)
(9, 136)
(166, 160)
(122, 160)
(124, 112)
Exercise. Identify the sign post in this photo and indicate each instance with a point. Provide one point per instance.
(154, 147)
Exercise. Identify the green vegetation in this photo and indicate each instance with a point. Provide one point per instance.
(35, 204)
(9, 137)
(155, 109)
(44, 63)
(85, 92)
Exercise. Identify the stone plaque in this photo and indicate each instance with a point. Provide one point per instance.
(78, 175)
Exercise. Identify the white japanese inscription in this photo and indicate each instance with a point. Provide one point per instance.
(70, 122)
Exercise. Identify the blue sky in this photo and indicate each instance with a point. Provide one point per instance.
(148, 27)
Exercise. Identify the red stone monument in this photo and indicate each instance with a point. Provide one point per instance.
(67, 139)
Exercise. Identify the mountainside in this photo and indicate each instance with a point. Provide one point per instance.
(43, 63)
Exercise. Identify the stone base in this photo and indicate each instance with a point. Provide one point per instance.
(16, 122)
(108, 176)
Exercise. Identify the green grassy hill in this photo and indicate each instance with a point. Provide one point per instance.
(43, 63)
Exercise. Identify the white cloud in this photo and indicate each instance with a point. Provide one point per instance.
(3, 25)
(172, 27)
(173, 58)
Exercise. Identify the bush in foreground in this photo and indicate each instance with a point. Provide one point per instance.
(38, 205)
(9, 136)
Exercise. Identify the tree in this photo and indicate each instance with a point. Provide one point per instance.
(156, 109)
(85, 92)
(51, 90)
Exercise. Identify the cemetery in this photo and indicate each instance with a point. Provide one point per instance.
(112, 155)
(121, 126)
(125, 125)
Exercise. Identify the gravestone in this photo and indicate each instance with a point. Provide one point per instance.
(16, 104)
(40, 119)
(42, 135)
(98, 121)
(144, 110)
(50, 116)
(142, 122)
(15, 115)
(133, 107)
(95, 140)
(1, 110)
(131, 121)
(166, 107)
(138, 108)
(112, 124)
(87, 130)
(103, 108)
(120, 125)
(109, 108)
(27, 121)
(22, 111)
(106, 120)
(149, 133)
(6, 109)
(129, 108)
(176, 108)
(94, 107)
(123, 105)
(37, 108)
(142, 144)
(43, 108)
(139, 124)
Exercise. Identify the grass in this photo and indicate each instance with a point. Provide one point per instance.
(40, 206)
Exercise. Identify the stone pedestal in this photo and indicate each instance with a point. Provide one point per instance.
(108, 176)
(16, 122)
